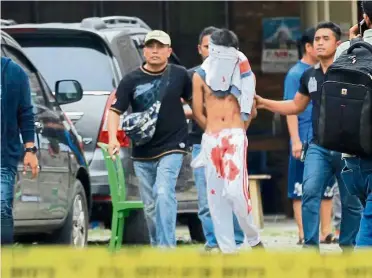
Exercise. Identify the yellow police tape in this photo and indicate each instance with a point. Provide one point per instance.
(92, 262)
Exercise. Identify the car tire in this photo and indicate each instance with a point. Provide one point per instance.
(195, 228)
(75, 229)
(135, 229)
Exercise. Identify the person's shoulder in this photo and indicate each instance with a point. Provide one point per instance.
(132, 75)
(12, 66)
(179, 70)
(192, 70)
(294, 71)
(311, 70)
(343, 46)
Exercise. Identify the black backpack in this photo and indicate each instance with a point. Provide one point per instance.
(345, 119)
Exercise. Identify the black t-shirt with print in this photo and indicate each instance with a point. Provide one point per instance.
(140, 89)
(311, 85)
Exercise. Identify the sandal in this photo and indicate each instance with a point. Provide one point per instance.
(300, 241)
(329, 239)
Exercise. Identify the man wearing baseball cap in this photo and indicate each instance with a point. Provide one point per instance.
(160, 145)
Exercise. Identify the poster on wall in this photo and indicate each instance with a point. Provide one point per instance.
(279, 51)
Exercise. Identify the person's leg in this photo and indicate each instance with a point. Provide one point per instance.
(7, 225)
(317, 173)
(203, 212)
(168, 169)
(351, 207)
(336, 210)
(146, 173)
(298, 217)
(295, 177)
(326, 235)
(357, 176)
(221, 212)
(364, 238)
(326, 221)
(238, 232)
(237, 185)
(219, 205)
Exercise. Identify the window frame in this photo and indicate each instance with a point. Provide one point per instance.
(11, 51)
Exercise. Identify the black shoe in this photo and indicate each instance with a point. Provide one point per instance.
(258, 246)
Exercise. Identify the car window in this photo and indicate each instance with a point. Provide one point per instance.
(80, 58)
(35, 86)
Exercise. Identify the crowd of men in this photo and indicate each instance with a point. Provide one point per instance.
(222, 94)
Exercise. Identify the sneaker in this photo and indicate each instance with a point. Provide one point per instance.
(258, 246)
(209, 249)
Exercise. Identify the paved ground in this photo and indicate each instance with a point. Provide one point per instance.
(276, 235)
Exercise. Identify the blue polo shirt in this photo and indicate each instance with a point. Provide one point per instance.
(291, 87)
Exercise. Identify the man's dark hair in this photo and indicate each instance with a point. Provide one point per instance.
(225, 37)
(206, 32)
(330, 25)
(307, 37)
(367, 8)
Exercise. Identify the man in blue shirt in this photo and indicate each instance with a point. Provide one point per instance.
(16, 118)
(301, 131)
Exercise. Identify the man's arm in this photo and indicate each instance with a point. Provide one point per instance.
(198, 101)
(284, 107)
(27, 124)
(252, 116)
(120, 104)
(288, 107)
(26, 115)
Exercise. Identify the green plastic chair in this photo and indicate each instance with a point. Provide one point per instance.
(120, 206)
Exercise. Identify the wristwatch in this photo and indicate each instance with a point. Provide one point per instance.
(31, 150)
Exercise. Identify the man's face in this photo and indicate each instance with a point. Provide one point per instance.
(156, 53)
(203, 48)
(325, 43)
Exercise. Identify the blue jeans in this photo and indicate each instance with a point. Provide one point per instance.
(158, 180)
(357, 176)
(321, 166)
(204, 214)
(7, 190)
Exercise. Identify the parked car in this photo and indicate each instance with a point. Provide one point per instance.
(55, 206)
(99, 52)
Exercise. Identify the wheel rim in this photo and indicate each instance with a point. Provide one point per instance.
(79, 228)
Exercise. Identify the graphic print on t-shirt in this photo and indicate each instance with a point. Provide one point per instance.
(146, 94)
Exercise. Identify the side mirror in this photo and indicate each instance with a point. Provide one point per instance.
(68, 91)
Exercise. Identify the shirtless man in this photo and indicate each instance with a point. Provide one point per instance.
(223, 106)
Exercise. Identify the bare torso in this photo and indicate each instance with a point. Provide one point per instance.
(221, 112)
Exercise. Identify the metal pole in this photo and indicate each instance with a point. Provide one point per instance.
(227, 14)
(35, 12)
(166, 17)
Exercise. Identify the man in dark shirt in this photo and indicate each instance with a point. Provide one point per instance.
(321, 165)
(195, 138)
(16, 118)
(157, 163)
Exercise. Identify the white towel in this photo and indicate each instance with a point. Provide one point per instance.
(228, 68)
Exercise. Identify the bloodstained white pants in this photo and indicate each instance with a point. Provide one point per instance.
(224, 156)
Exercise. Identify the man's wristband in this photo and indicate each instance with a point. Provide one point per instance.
(31, 150)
